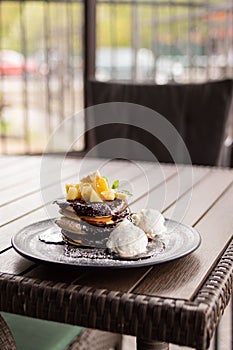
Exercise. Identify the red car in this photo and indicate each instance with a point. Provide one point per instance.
(12, 63)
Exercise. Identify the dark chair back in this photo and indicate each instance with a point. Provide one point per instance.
(198, 111)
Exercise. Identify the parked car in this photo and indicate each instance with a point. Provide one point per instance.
(13, 63)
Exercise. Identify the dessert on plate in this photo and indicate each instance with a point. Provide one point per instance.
(91, 210)
(95, 214)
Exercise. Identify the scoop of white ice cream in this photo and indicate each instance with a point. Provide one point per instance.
(151, 221)
(127, 240)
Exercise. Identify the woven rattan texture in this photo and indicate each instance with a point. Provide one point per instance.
(6, 339)
(93, 339)
(217, 291)
(190, 323)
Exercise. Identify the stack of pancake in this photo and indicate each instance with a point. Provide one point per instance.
(90, 222)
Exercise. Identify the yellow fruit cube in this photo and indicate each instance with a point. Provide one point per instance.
(101, 185)
(91, 178)
(68, 186)
(85, 190)
(108, 195)
(120, 195)
(94, 197)
(72, 193)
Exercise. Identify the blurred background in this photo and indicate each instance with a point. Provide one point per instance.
(47, 48)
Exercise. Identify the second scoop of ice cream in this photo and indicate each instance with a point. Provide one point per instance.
(127, 240)
(151, 221)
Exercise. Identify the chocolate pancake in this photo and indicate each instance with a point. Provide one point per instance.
(95, 241)
(95, 209)
(69, 213)
(98, 221)
(81, 233)
(81, 228)
(105, 221)
(90, 223)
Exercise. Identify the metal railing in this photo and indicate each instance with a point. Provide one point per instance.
(139, 40)
(41, 65)
(164, 41)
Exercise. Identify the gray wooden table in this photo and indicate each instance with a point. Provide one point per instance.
(177, 302)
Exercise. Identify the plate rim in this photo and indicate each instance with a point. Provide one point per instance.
(134, 264)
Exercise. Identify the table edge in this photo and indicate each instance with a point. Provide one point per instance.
(147, 317)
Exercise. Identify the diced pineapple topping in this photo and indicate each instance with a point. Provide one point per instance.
(85, 190)
(121, 195)
(101, 185)
(93, 188)
(94, 197)
(92, 178)
(68, 186)
(73, 193)
(108, 195)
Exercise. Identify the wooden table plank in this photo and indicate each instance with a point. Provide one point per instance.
(203, 196)
(182, 278)
(55, 274)
(21, 164)
(7, 160)
(7, 231)
(162, 197)
(18, 177)
(11, 262)
(150, 180)
(123, 280)
(33, 183)
(22, 206)
(11, 194)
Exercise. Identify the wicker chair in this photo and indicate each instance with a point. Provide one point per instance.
(87, 340)
(7, 341)
(96, 340)
(199, 112)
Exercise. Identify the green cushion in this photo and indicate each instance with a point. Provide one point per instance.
(31, 333)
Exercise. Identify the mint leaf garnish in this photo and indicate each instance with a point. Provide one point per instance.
(115, 184)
